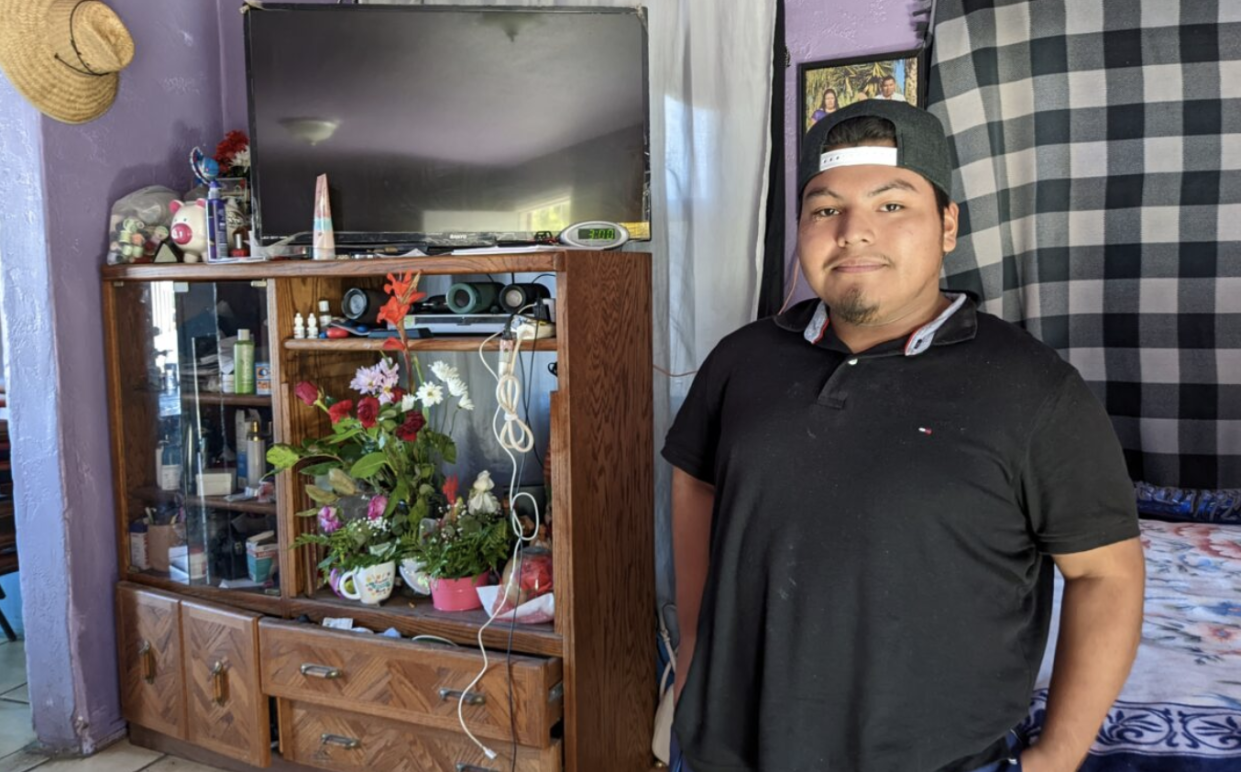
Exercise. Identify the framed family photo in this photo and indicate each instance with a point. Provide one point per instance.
(827, 86)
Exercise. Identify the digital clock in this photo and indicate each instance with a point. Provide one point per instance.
(594, 234)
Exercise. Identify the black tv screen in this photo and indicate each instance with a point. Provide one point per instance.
(447, 123)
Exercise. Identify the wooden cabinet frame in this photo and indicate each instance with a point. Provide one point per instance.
(602, 450)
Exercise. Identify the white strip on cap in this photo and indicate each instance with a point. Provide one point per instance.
(858, 156)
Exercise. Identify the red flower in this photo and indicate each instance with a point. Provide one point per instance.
(398, 394)
(340, 410)
(408, 431)
(228, 147)
(368, 411)
(450, 490)
(393, 344)
(394, 312)
(307, 392)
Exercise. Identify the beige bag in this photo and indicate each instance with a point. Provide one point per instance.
(661, 743)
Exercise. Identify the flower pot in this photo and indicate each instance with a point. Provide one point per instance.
(372, 585)
(457, 594)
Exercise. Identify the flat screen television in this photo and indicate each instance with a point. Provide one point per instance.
(447, 124)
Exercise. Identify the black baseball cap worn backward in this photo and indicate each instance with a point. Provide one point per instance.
(920, 142)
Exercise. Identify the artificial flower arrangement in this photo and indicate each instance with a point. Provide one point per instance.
(382, 462)
(459, 550)
(233, 155)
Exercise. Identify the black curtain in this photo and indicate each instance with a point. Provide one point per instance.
(771, 284)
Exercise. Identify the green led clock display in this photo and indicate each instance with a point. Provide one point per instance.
(596, 234)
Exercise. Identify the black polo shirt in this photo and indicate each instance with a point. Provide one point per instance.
(879, 592)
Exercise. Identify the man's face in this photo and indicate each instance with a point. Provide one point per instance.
(871, 241)
(889, 87)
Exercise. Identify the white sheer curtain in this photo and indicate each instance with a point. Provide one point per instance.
(710, 95)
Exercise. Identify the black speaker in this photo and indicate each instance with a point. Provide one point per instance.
(515, 297)
(473, 297)
(362, 305)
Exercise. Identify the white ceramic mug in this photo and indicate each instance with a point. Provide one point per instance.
(372, 585)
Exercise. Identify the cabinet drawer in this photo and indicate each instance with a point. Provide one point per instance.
(336, 739)
(412, 682)
(149, 629)
(227, 711)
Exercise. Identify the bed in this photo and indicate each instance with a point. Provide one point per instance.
(1180, 710)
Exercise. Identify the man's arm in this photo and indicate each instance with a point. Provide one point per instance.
(1100, 626)
(692, 500)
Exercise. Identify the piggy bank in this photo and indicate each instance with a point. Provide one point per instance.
(189, 228)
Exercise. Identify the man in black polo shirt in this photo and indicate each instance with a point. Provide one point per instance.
(870, 492)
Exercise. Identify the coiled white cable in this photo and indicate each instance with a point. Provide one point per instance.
(514, 436)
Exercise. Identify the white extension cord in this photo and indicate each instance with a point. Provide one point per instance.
(514, 436)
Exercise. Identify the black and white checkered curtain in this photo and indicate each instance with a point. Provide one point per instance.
(1098, 170)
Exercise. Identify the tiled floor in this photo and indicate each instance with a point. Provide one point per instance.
(16, 732)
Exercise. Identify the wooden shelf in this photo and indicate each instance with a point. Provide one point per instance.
(418, 617)
(462, 343)
(220, 398)
(157, 495)
(305, 269)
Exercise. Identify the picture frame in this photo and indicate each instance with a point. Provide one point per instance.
(905, 73)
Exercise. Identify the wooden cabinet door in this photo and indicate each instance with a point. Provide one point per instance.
(226, 710)
(149, 631)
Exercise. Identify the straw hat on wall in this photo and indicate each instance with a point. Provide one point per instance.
(64, 55)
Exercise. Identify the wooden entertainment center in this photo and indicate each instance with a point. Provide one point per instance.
(210, 673)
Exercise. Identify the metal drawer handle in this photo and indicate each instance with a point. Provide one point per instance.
(469, 698)
(320, 671)
(148, 662)
(219, 682)
(463, 767)
(348, 743)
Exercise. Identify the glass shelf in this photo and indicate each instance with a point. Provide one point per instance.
(184, 439)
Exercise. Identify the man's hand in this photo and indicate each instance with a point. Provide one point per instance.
(1100, 627)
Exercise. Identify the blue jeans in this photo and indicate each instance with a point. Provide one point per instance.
(1012, 764)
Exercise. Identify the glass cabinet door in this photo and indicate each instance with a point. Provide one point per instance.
(193, 366)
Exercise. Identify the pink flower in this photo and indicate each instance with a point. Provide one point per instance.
(328, 521)
(307, 392)
(375, 509)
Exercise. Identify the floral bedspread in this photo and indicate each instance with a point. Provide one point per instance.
(1180, 711)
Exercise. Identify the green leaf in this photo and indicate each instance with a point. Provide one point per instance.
(399, 494)
(314, 470)
(341, 482)
(342, 437)
(368, 465)
(308, 512)
(450, 452)
(283, 456)
(319, 495)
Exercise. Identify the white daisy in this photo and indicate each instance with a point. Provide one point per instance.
(408, 402)
(465, 403)
(456, 387)
(444, 371)
(430, 394)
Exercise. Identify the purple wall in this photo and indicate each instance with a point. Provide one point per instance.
(831, 29)
(51, 249)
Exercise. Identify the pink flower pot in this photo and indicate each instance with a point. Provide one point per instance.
(457, 594)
